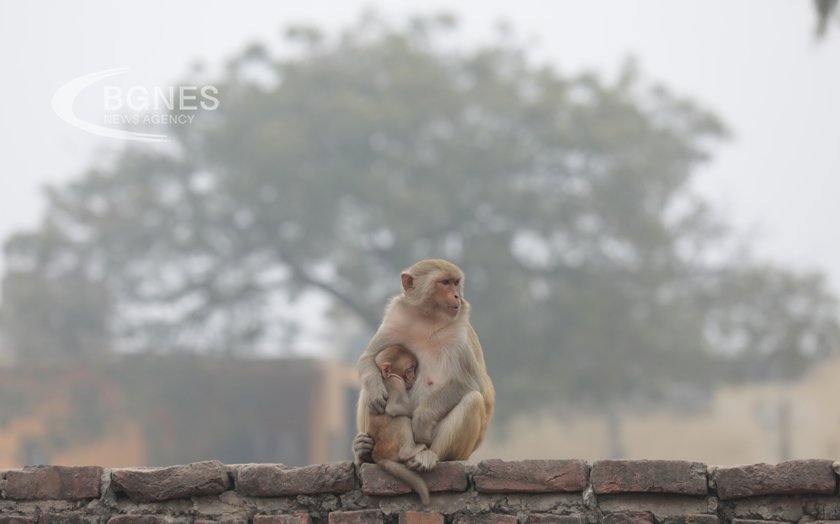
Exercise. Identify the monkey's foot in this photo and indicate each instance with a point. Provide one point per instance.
(423, 461)
(406, 455)
(362, 448)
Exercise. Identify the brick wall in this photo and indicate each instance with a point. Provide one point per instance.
(493, 491)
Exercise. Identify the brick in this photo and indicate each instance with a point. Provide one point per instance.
(629, 517)
(547, 518)
(795, 477)
(769, 507)
(753, 521)
(276, 480)
(139, 519)
(531, 476)
(368, 516)
(446, 476)
(649, 476)
(53, 483)
(67, 518)
(823, 508)
(417, 517)
(691, 519)
(657, 503)
(296, 518)
(487, 518)
(175, 482)
(5, 519)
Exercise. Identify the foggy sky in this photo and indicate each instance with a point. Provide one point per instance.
(756, 64)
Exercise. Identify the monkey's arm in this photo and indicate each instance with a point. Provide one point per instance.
(399, 405)
(486, 385)
(399, 408)
(436, 406)
(371, 377)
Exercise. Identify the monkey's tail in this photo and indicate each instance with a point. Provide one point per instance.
(409, 477)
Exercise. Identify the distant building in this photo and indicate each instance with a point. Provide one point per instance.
(742, 424)
(162, 410)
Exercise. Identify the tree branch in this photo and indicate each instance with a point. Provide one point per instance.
(372, 321)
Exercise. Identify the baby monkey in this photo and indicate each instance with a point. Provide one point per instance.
(391, 431)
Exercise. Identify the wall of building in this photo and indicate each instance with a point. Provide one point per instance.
(159, 410)
(492, 491)
(742, 423)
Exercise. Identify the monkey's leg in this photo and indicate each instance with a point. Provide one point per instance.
(459, 432)
(435, 407)
(456, 436)
(409, 452)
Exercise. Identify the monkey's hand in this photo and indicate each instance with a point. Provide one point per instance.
(423, 424)
(399, 409)
(378, 396)
(362, 448)
(423, 461)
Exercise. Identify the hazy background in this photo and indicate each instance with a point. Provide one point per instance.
(691, 235)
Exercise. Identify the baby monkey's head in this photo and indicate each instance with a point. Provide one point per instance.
(398, 362)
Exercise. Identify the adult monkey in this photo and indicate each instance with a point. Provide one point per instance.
(453, 393)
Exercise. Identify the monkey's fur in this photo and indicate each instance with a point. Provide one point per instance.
(391, 431)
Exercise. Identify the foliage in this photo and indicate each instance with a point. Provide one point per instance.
(592, 268)
(63, 316)
(825, 10)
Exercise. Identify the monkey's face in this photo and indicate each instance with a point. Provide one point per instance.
(447, 294)
(410, 376)
(397, 361)
(405, 365)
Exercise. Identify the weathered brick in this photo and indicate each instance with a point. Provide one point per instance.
(295, 518)
(53, 483)
(649, 476)
(547, 518)
(691, 519)
(795, 477)
(276, 480)
(368, 516)
(12, 519)
(446, 476)
(67, 518)
(142, 519)
(531, 476)
(823, 508)
(487, 518)
(417, 517)
(787, 508)
(175, 482)
(224, 520)
(752, 521)
(629, 517)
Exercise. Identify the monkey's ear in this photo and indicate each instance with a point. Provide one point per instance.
(385, 368)
(407, 281)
